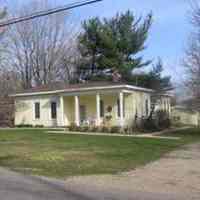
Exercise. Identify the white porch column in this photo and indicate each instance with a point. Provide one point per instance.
(77, 111)
(62, 112)
(121, 104)
(170, 108)
(98, 120)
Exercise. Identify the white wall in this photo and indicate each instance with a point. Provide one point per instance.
(25, 111)
(184, 117)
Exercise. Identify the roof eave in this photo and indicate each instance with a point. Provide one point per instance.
(130, 87)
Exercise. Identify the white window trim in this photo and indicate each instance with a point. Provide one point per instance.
(50, 116)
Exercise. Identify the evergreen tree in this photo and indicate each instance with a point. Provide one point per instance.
(159, 83)
(114, 43)
(156, 80)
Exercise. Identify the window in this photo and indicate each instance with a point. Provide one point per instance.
(53, 110)
(101, 108)
(82, 113)
(147, 107)
(37, 110)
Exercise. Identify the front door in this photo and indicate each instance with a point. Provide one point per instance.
(82, 113)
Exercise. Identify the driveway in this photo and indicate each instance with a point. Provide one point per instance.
(174, 177)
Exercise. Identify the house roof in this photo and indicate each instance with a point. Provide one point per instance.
(68, 88)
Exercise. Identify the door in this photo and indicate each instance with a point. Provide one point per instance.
(82, 113)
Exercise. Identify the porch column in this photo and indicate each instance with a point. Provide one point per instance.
(121, 104)
(98, 120)
(62, 112)
(170, 108)
(77, 111)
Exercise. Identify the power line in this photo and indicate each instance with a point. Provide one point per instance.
(47, 12)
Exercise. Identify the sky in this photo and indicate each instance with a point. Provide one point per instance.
(169, 33)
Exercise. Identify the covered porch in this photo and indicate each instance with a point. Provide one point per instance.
(94, 109)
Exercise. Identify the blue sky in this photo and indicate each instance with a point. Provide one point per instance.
(169, 33)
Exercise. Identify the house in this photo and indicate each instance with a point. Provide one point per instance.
(59, 105)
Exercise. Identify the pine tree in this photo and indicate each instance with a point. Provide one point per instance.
(114, 43)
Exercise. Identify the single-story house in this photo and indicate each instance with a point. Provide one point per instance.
(90, 103)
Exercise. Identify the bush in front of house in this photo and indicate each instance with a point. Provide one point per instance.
(93, 129)
(149, 124)
(24, 126)
(104, 129)
(39, 126)
(115, 129)
(159, 122)
(163, 119)
(73, 127)
(84, 129)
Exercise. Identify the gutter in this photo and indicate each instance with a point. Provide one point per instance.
(83, 89)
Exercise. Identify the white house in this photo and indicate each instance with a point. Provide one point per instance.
(90, 103)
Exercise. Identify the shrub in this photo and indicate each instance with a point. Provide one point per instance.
(159, 122)
(115, 129)
(163, 119)
(73, 127)
(39, 126)
(24, 126)
(104, 129)
(94, 129)
(84, 129)
(128, 130)
(149, 125)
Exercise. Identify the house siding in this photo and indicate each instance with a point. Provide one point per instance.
(134, 103)
(185, 117)
(25, 113)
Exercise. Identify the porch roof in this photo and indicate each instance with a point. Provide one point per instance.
(58, 88)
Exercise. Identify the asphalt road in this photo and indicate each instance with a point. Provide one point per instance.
(14, 186)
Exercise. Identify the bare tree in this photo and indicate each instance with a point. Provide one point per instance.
(9, 82)
(40, 50)
(2, 16)
(192, 59)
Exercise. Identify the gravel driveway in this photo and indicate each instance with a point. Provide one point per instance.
(176, 176)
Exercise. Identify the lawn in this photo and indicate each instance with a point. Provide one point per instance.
(39, 153)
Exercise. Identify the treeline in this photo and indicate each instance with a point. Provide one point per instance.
(55, 48)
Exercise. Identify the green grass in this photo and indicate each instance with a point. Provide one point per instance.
(39, 153)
